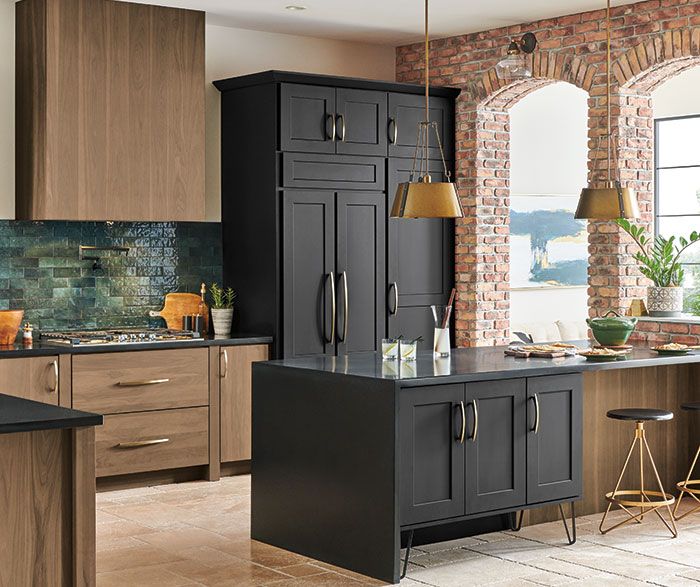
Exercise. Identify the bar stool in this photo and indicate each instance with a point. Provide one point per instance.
(689, 486)
(624, 497)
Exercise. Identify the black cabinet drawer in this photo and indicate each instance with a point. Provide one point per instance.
(305, 170)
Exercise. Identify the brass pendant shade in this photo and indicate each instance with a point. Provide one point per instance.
(612, 201)
(420, 197)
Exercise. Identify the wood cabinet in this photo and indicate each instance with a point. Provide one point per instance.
(236, 399)
(35, 378)
(554, 437)
(406, 111)
(431, 478)
(110, 111)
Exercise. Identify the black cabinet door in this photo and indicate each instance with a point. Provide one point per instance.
(420, 263)
(361, 122)
(406, 111)
(495, 449)
(431, 467)
(307, 118)
(308, 227)
(554, 440)
(360, 268)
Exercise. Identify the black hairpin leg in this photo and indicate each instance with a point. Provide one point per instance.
(408, 553)
(516, 520)
(571, 537)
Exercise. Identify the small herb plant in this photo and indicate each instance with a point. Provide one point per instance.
(658, 258)
(222, 299)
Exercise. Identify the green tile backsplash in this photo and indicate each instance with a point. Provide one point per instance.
(40, 271)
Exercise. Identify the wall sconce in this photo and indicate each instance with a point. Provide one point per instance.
(515, 65)
(97, 262)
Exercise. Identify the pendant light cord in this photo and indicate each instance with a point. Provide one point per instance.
(607, 71)
(427, 66)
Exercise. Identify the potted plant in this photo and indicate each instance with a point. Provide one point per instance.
(659, 261)
(222, 309)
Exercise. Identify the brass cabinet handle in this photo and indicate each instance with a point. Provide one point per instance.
(475, 431)
(330, 119)
(54, 388)
(536, 427)
(331, 338)
(463, 429)
(341, 120)
(224, 354)
(142, 382)
(393, 131)
(395, 288)
(140, 443)
(346, 305)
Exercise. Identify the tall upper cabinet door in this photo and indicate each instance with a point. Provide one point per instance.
(554, 437)
(309, 285)
(361, 122)
(360, 269)
(307, 118)
(421, 267)
(406, 111)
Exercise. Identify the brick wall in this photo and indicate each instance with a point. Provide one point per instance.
(653, 333)
(651, 42)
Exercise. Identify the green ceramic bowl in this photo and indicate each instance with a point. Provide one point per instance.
(612, 330)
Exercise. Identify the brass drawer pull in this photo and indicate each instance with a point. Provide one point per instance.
(475, 431)
(140, 443)
(393, 286)
(536, 427)
(142, 382)
(341, 124)
(393, 131)
(330, 119)
(54, 387)
(225, 370)
(463, 428)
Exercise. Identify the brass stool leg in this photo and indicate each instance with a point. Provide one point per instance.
(672, 528)
(683, 487)
(617, 487)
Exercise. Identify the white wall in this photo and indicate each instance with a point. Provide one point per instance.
(229, 52)
(232, 52)
(548, 156)
(679, 96)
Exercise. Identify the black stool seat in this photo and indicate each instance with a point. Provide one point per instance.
(640, 414)
(691, 406)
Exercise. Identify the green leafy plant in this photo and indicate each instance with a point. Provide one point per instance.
(659, 258)
(221, 299)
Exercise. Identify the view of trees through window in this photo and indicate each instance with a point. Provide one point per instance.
(677, 192)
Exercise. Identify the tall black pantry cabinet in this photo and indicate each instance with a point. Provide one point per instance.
(310, 165)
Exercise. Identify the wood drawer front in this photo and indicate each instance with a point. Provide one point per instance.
(303, 170)
(113, 383)
(122, 442)
(34, 378)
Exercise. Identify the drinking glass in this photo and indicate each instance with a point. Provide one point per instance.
(441, 333)
(390, 349)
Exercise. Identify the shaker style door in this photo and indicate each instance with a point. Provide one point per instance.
(307, 118)
(554, 437)
(360, 271)
(421, 266)
(406, 111)
(309, 285)
(361, 122)
(431, 467)
(495, 446)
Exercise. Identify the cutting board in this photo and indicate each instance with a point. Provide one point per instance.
(178, 305)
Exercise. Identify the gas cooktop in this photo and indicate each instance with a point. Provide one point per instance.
(118, 336)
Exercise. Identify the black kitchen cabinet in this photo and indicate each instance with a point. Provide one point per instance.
(290, 143)
(554, 437)
(406, 111)
(496, 445)
(432, 480)
(421, 263)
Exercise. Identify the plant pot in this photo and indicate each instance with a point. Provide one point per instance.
(664, 302)
(222, 318)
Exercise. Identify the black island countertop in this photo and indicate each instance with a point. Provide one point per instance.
(475, 364)
(42, 349)
(23, 415)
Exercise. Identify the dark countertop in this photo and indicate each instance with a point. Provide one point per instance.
(40, 349)
(23, 415)
(473, 364)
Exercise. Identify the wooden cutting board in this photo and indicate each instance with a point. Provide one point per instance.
(178, 305)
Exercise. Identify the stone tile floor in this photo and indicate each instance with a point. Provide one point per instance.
(198, 534)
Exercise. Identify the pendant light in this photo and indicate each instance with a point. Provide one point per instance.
(420, 197)
(515, 65)
(612, 201)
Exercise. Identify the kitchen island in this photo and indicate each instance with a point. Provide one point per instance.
(352, 455)
(47, 493)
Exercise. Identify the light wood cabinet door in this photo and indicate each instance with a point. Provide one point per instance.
(35, 378)
(235, 373)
